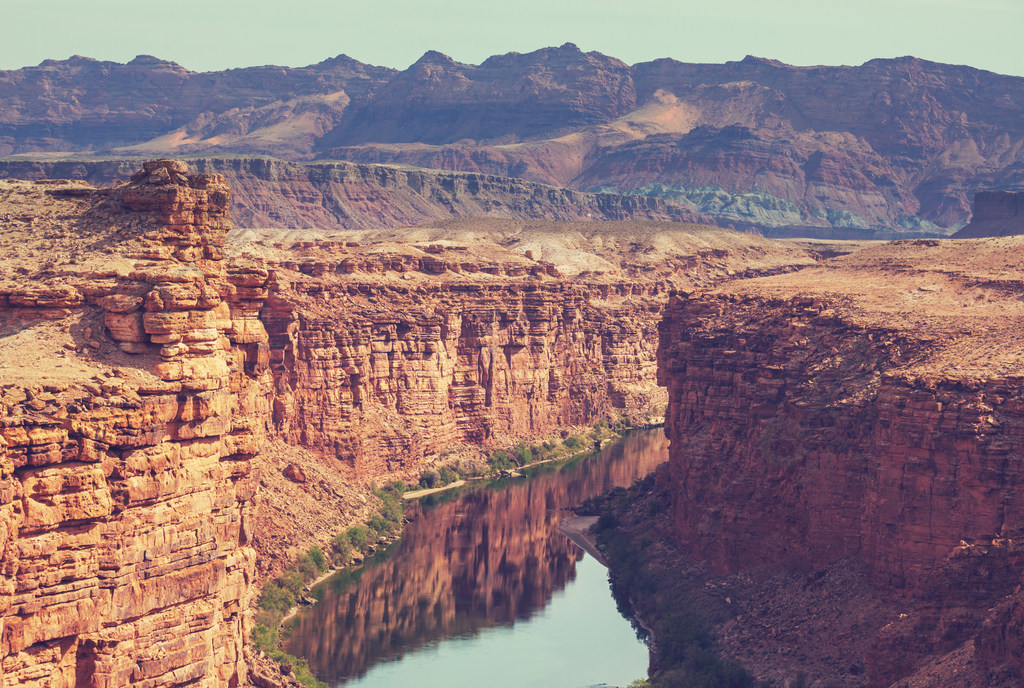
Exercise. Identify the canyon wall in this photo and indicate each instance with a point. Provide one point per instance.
(383, 388)
(340, 195)
(871, 409)
(996, 213)
(126, 496)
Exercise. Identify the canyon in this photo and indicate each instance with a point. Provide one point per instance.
(150, 353)
(865, 410)
(887, 148)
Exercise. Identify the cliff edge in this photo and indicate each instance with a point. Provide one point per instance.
(869, 409)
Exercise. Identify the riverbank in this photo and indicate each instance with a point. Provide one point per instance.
(489, 558)
(579, 529)
(596, 438)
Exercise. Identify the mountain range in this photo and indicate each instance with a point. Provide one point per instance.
(893, 145)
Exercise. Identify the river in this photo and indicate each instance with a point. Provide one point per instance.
(483, 589)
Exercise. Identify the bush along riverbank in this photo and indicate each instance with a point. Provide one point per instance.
(504, 463)
(666, 598)
(281, 597)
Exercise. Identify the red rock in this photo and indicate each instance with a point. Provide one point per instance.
(294, 473)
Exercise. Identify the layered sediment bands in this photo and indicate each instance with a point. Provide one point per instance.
(996, 213)
(385, 387)
(126, 497)
(339, 195)
(868, 409)
(144, 357)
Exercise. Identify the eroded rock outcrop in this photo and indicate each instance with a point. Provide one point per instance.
(125, 490)
(996, 213)
(871, 409)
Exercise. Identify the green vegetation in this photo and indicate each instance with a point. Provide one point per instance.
(281, 594)
(266, 640)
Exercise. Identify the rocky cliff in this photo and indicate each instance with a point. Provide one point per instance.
(996, 213)
(870, 409)
(892, 145)
(273, 193)
(125, 484)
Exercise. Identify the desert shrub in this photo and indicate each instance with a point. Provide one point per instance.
(359, 537)
(291, 580)
(381, 525)
(607, 520)
(275, 597)
(430, 478)
(572, 442)
(523, 455)
(341, 546)
(392, 507)
(500, 461)
(316, 555)
(448, 475)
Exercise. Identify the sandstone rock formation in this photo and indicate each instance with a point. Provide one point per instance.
(868, 409)
(892, 145)
(126, 492)
(996, 213)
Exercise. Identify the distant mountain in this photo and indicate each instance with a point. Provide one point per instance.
(893, 145)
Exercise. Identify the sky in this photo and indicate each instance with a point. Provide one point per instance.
(216, 34)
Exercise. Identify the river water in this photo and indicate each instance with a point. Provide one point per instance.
(483, 589)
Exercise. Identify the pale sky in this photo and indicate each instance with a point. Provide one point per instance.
(210, 34)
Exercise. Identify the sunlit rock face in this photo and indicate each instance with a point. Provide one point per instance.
(125, 490)
(144, 358)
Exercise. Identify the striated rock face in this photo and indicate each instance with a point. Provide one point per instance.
(871, 409)
(386, 355)
(126, 497)
(996, 213)
(385, 388)
(273, 193)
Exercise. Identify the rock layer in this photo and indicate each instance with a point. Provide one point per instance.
(892, 145)
(144, 358)
(277, 194)
(126, 499)
(870, 409)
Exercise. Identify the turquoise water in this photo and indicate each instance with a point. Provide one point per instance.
(483, 589)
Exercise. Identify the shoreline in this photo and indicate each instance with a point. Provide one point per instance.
(416, 494)
(577, 529)
(319, 579)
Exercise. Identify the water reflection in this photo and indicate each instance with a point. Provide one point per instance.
(487, 557)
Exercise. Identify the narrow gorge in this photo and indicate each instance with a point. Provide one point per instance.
(184, 403)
